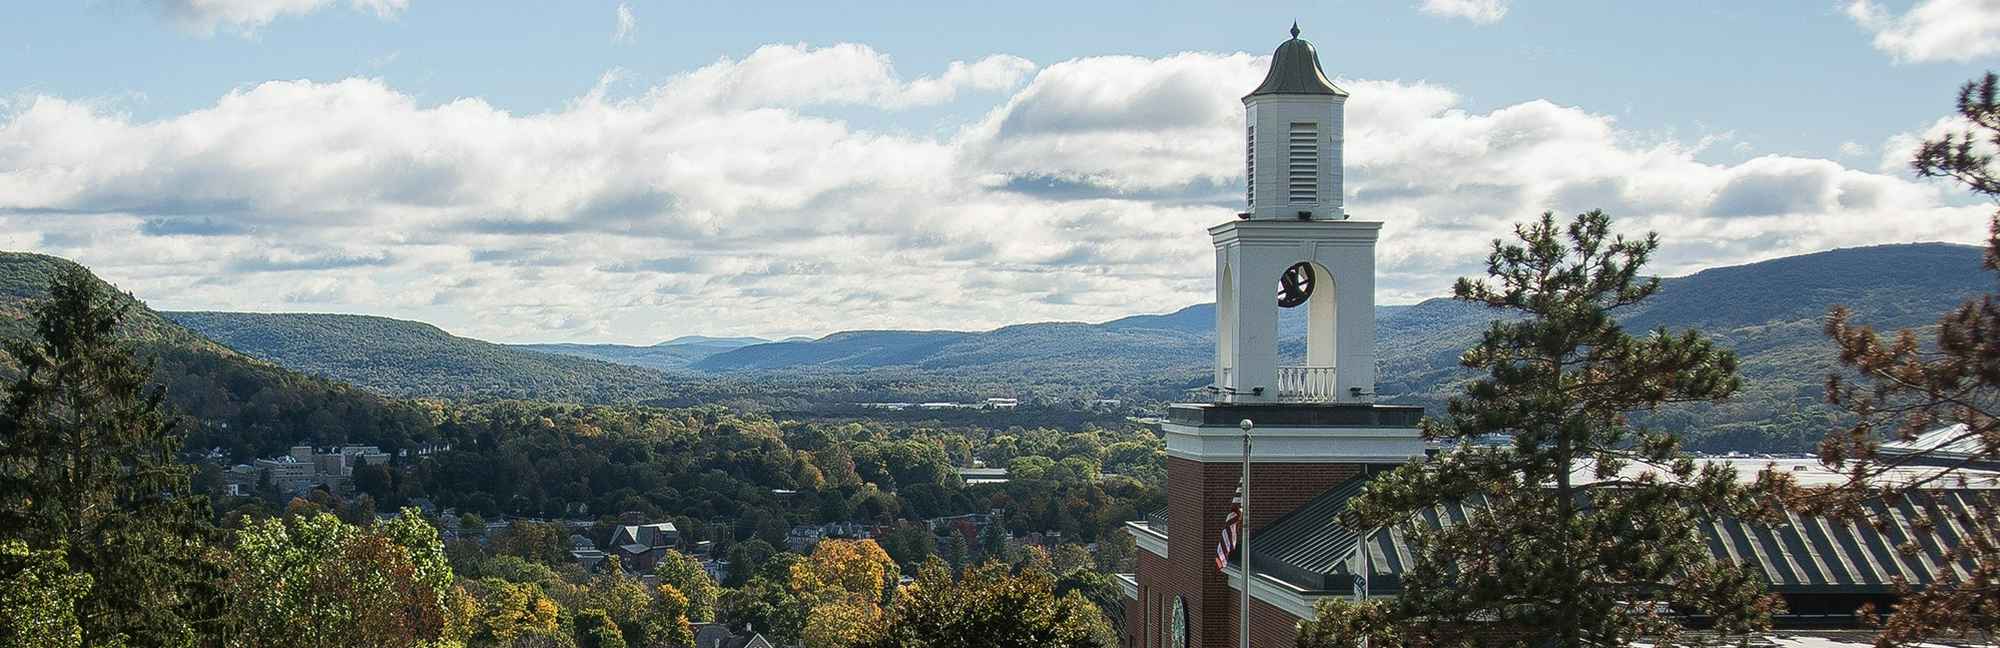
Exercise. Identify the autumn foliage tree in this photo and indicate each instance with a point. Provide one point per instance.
(989, 607)
(318, 581)
(1900, 386)
(846, 584)
(683, 573)
(511, 613)
(1584, 521)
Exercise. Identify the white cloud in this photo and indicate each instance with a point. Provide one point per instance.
(708, 204)
(1898, 149)
(205, 17)
(1932, 30)
(1484, 12)
(626, 21)
(1852, 149)
(845, 73)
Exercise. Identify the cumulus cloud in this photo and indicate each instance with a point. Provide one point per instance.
(205, 17)
(711, 204)
(846, 73)
(1932, 30)
(1484, 12)
(626, 21)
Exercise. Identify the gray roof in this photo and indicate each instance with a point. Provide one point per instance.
(1952, 442)
(717, 635)
(662, 534)
(1295, 71)
(1311, 549)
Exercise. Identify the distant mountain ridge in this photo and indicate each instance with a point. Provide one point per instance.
(406, 358)
(706, 341)
(1770, 312)
(1908, 284)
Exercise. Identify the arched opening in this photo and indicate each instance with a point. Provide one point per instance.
(1313, 379)
(1322, 335)
(1225, 330)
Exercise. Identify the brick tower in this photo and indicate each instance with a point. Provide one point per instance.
(1316, 423)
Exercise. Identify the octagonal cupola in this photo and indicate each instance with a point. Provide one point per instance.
(1292, 154)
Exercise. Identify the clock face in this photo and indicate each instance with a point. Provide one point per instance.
(1295, 286)
(1179, 622)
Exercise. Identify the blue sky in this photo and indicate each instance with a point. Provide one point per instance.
(528, 171)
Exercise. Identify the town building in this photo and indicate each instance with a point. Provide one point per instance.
(1319, 435)
(305, 467)
(718, 635)
(586, 553)
(640, 546)
(977, 476)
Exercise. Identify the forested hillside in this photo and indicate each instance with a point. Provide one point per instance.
(406, 358)
(249, 407)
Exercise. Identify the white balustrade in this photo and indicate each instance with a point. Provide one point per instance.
(1307, 384)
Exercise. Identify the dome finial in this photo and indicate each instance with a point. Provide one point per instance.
(1295, 29)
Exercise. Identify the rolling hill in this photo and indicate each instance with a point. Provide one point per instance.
(405, 358)
(244, 405)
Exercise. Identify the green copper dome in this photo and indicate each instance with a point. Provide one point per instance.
(1295, 71)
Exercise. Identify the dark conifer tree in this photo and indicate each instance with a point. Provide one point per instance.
(1587, 525)
(88, 464)
(1908, 384)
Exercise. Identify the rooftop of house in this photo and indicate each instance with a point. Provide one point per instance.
(718, 635)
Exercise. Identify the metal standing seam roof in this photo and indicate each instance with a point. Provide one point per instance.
(1949, 442)
(1295, 71)
(1311, 549)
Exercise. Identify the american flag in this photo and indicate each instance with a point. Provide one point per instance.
(1232, 528)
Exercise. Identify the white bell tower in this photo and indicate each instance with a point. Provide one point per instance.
(1316, 422)
(1294, 247)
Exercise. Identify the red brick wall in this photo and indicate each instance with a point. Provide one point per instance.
(1198, 496)
(1269, 626)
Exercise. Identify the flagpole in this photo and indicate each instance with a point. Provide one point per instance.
(1244, 546)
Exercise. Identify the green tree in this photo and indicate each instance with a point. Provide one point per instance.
(1101, 591)
(766, 605)
(685, 575)
(1599, 517)
(1071, 557)
(1902, 386)
(1117, 553)
(595, 629)
(87, 463)
(634, 609)
(993, 541)
(38, 595)
(317, 581)
(537, 541)
(960, 552)
(989, 607)
(747, 558)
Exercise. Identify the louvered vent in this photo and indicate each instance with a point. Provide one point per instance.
(1303, 160)
(1250, 165)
